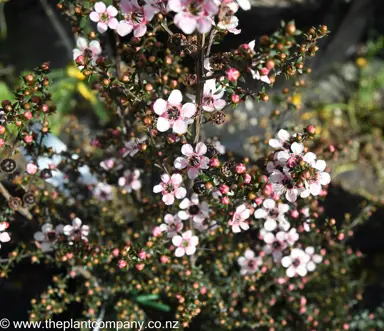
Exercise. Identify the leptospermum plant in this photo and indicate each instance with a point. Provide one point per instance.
(151, 214)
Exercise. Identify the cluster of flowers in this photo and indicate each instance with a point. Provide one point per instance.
(157, 196)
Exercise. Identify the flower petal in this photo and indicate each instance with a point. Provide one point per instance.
(175, 98)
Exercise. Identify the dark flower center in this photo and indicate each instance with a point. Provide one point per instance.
(194, 160)
(276, 245)
(168, 188)
(173, 113)
(296, 262)
(194, 210)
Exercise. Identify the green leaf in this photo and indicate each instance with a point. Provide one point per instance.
(5, 92)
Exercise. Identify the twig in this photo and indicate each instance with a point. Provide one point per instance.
(23, 211)
(57, 26)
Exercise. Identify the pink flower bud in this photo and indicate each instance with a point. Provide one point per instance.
(45, 108)
(224, 189)
(1, 142)
(235, 98)
(2, 129)
(203, 290)
(232, 74)
(28, 115)
(311, 129)
(240, 168)
(31, 168)
(156, 231)
(247, 178)
(142, 255)
(116, 252)
(295, 213)
(80, 60)
(225, 201)
(332, 148)
(259, 201)
(140, 266)
(28, 139)
(122, 264)
(214, 163)
(164, 259)
(264, 72)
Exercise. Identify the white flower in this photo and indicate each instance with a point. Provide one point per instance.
(315, 258)
(212, 96)
(4, 236)
(194, 160)
(296, 263)
(48, 236)
(275, 244)
(186, 244)
(173, 225)
(249, 263)
(130, 180)
(173, 114)
(194, 209)
(76, 231)
(273, 214)
(313, 184)
(103, 192)
(283, 137)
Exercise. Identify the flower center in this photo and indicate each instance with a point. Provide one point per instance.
(104, 17)
(173, 113)
(168, 188)
(276, 245)
(194, 210)
(296, 262)
(251, 264)
(194, 160)
(195, 8)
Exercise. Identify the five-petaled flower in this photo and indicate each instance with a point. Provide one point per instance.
(273, 214)
(170, 188)
(172, 225)
(48, 236)
(173, 114)
(104, 17)
(212, 96)
(193, 14)
(185, 244)
(239, 219)
(194, 209)
(296, 263)
(193, 160)
(76, 231)
(130, 180)
(249, 263)
(89, 51)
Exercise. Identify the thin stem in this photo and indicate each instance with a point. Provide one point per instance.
(57, 26)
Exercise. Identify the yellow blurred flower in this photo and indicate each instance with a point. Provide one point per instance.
(361, 62)
(74, 72)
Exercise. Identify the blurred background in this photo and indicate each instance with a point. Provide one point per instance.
(344, 99)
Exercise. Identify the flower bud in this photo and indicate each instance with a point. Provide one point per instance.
(232, 74)
(224, 189)
(240, 168)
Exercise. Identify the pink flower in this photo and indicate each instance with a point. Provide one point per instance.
(136, 18)
(172, 114)
(170, 188)
(186, 244)
(194, 160)
(173, 225)
(291, 236)
(31, 168)
(193, 14)
(296, 263)
(194, 209)
(130, 180)
(93, 50)
(232, 74)
(157, 231)
(104, 17)
(273, 214)
(238, 221)
(212, 96)
(313, 184)
(76, 230)
(249, 263)
(227, 19)
(275, 244)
